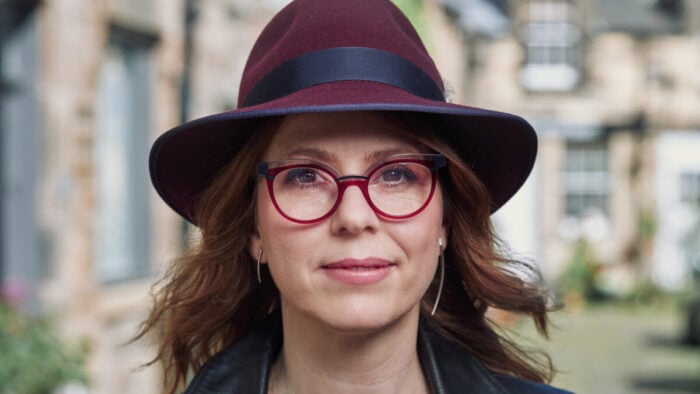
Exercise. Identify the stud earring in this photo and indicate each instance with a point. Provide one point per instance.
(442, 276)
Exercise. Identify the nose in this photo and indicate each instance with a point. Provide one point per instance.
(353, 214)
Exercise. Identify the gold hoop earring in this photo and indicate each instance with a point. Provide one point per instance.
(442, 276)
(257, 265)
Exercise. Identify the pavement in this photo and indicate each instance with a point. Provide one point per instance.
(621, 349)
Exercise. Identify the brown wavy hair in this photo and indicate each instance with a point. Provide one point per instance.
(210, 296)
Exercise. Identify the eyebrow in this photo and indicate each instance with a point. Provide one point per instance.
(375, 156)
(313, 153)
(330, 158)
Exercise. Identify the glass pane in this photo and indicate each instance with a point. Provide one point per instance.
(690, 187)
(552, 32)
(585, 178)
(113, 251)
(121, 246)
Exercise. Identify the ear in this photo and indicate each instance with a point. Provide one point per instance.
(255, 243)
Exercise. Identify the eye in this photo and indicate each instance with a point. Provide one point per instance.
(301, 176)
(395, 174)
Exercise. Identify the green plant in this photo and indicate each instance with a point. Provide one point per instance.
(414, 11)
(33, 359)
(647, 294)
(580, 274)
(646, 225)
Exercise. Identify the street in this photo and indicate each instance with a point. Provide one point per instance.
(621, 349)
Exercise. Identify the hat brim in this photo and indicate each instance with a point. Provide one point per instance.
(500, 147)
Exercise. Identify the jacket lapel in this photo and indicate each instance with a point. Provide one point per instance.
(244, 366)
(449, 368)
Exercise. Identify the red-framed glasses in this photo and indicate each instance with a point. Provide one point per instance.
(307, 191)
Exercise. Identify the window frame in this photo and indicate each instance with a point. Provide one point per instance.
(586, 164)
(551, 37)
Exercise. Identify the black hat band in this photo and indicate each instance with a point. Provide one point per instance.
(343, 64)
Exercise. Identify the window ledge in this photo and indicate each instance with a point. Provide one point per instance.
(549, 77)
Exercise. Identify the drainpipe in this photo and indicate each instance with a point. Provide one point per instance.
(190, 21)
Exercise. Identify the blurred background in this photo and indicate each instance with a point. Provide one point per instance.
(611, 213)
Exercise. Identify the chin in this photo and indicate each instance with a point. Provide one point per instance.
(363, 318)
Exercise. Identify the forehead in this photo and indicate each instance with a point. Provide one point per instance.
(339, 134)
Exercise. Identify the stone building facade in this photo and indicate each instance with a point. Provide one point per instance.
(87, 86)
(612, 88)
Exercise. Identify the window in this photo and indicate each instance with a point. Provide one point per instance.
(690, 187)
(122, 247)
(586, 185)
(20, 143)
(552, 38)
(690, 196)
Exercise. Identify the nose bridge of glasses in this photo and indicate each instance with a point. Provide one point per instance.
(352, 180)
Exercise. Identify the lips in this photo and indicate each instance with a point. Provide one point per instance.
(369, 263)
(358, 272)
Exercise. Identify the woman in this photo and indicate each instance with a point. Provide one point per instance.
(344, 210)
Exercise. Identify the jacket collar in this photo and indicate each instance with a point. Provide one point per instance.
(244, 366)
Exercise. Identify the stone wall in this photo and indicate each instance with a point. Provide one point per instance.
(73, 37)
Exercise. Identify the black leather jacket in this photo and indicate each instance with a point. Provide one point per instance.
(244, 366)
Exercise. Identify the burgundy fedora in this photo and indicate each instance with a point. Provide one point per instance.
(340, 55)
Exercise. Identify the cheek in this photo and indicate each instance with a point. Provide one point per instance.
(429, 224)
(419, 238)
(282, 240)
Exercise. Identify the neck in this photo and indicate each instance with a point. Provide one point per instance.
(319, 359)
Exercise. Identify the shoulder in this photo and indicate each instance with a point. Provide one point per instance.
(449, 369)
(521, 386)
(243, 366)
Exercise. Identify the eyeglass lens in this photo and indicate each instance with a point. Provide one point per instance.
(395, 189)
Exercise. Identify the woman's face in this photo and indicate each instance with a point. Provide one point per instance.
(355, 270)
